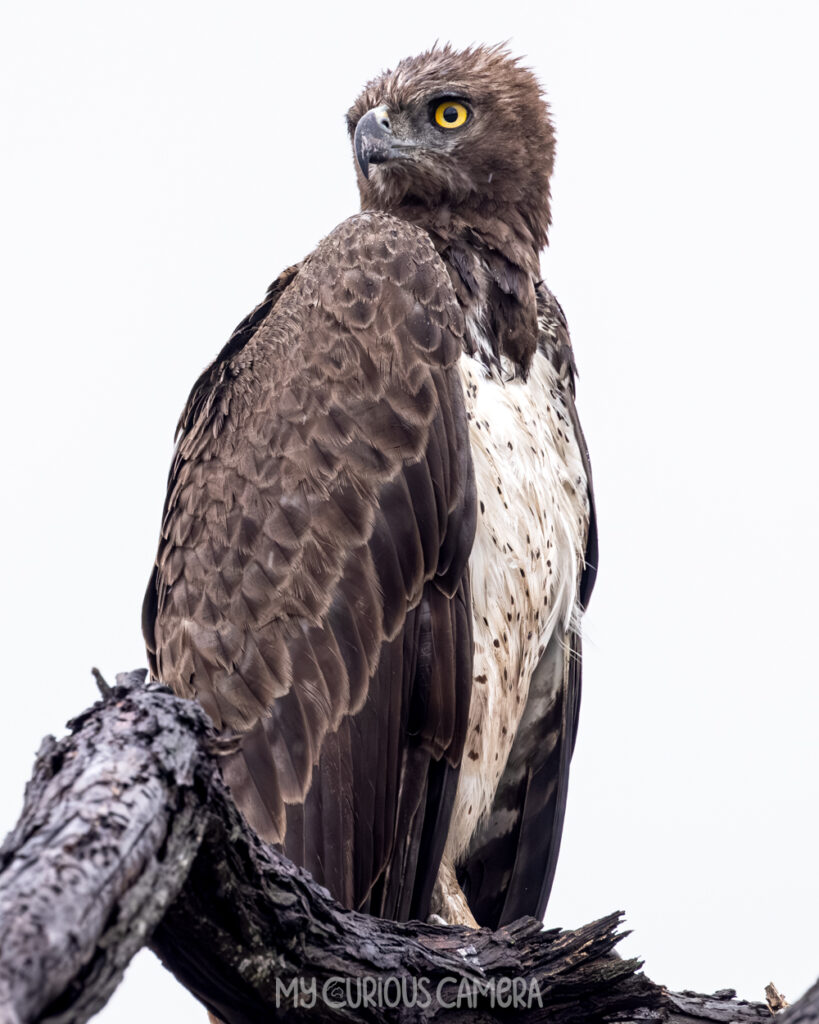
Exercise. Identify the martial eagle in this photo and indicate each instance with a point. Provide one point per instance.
(378, 537)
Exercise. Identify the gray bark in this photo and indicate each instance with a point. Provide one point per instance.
(128, 837)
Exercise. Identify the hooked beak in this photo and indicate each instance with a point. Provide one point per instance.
(373, 139)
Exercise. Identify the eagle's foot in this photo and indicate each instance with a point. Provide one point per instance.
(448, 904)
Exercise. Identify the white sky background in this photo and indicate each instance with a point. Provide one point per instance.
(162, 162)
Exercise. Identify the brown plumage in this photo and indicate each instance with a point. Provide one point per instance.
(484, 196)
(311, 587)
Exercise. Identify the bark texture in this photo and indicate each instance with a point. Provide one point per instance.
(128, 837)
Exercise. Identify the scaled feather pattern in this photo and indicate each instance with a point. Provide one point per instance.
(378, 536)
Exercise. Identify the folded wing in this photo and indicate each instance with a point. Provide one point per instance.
(311, 584)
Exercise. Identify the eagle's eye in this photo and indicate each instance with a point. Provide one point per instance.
(450, 114)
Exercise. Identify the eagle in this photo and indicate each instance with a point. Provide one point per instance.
(379, 536)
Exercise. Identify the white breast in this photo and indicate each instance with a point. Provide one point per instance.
(525, 565)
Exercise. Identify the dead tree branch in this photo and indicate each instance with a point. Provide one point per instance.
(128, 837)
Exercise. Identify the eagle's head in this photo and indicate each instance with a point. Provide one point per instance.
(466, 130)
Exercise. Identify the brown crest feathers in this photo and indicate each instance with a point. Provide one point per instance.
(483, 190)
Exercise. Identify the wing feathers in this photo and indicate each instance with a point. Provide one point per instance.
(314, 547)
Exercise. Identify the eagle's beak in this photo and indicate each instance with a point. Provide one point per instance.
(373, 139)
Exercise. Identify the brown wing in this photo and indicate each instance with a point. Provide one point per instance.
(510, 864)
(311, 584)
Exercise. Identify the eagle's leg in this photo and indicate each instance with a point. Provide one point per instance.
(448, 904)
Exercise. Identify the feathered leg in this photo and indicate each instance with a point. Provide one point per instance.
(448, 904)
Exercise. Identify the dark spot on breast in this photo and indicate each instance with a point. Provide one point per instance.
(496, 642)
(481, 678)
(473, 755)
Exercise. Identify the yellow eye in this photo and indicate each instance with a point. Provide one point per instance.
(451, 114)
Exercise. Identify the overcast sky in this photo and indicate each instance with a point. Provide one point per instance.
(162, 162)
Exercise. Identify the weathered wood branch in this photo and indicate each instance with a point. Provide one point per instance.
(806, 1011)
(128, 837)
